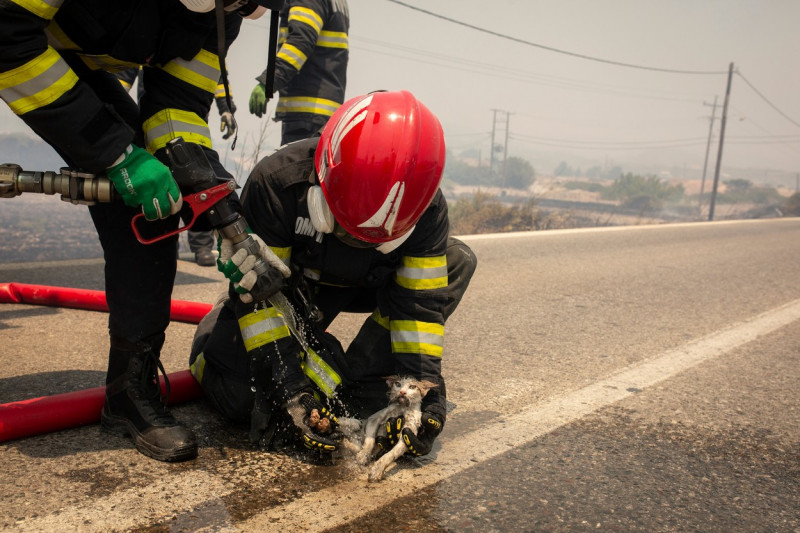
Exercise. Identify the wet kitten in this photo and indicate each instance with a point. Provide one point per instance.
(405, 399)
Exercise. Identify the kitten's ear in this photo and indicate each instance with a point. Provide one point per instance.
(390, 379)
(426, 385)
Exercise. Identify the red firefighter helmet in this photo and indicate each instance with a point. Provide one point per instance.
(379, 160)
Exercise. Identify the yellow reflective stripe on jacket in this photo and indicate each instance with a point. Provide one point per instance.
(262, 327)
(418, 273)
(37, 83)
(169, 124)
(321, 373)
(332, 39)
(284, 254)
(292, 55)
(197, 367)
(45, 9)
(411, 336)
(220, 92)
(306, 104)
(306, 16)
(202, 71)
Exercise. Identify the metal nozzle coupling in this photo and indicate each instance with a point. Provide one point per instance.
(74, 186)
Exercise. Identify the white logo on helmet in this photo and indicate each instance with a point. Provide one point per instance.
(386, 215)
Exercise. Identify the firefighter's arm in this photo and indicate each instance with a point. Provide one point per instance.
(41, 88)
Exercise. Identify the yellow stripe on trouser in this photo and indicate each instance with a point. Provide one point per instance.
(197, 367)
(201, 71)
(37, 83)
(321, 373)
(420, 273)
(262, 327)
(411, 336)
(169, 124)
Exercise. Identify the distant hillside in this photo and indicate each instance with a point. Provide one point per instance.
(29, 152)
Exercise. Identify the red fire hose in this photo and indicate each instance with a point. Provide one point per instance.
(21, 293)
(62, 411)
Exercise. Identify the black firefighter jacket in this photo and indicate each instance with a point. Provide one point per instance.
(49, 48)
(311, 65)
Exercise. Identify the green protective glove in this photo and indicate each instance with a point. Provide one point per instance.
(258, 100)
(143, 180)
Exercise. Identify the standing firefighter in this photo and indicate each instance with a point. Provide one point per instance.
(57, 60)
(310, 69)
(358, 215)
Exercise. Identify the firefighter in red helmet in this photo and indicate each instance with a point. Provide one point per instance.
(358, 216)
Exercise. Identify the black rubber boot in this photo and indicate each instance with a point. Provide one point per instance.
(134, 407)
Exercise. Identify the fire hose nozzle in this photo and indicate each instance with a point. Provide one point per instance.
(74, 186)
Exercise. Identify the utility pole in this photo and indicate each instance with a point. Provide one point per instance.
(721, 143)
(505, 148)
(491, 149)
(708, 148)
(505, 140)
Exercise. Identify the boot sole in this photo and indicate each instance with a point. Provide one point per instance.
(121, 427)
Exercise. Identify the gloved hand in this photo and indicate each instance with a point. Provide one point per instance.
(238, 266)
(227, 124)
(258, 100)
(314, 425)
(142, 180)
(419, 444)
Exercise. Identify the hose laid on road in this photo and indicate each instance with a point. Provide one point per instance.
(46, 414)
(72, 409)
(23, 293)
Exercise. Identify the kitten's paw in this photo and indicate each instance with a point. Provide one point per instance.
(362, 457)
(375, 473)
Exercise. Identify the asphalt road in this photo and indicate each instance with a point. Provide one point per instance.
(621, 379)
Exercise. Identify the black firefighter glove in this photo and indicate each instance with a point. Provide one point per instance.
(313, 423)
(419, 444)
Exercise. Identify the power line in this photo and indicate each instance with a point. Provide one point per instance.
(773, 106)
(519, 75)
(557, 50)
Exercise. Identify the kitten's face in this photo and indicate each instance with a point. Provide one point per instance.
(405, 390)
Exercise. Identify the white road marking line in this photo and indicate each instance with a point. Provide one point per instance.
(352, 498)
(346, 501)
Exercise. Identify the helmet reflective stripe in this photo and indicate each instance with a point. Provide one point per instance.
(352, 118)
(387, 213)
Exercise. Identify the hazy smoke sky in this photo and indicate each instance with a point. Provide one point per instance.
(564, 107)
